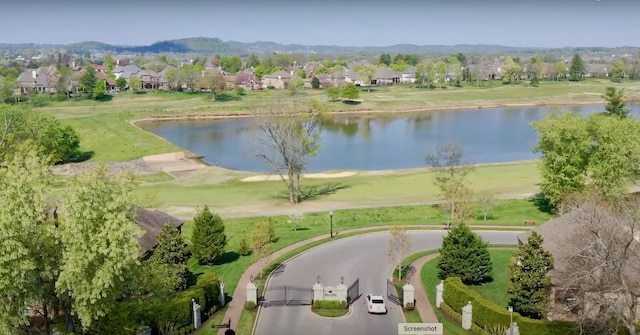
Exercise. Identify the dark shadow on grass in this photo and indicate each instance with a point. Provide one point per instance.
(222, 97)
(542, 203)
(140, 92)
(351, 102)
(301, 229)
(227, 257)
(313, 192)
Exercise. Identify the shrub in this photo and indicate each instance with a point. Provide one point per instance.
(243, 248)
(178, 309)
(250, 305)
(240, 91)
(330, 304)
(464, 254)
(409, 306)
(448, 311)
(210, 285)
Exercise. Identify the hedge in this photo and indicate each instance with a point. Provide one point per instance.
(178, 310)
(330, 304)
(210, 284)
(487, 313)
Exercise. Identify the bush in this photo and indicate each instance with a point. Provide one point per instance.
(250, 305)
(540, 327)
(210, 285)
(243, 248)
(448, 311)
(330, 304)
(409, 306)
(178, 309)
(240, 91)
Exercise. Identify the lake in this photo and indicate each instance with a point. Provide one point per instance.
(375, 141)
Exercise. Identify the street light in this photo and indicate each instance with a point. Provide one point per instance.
(331, 220)
(510, 308)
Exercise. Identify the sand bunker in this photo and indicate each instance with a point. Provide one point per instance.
(265, 177)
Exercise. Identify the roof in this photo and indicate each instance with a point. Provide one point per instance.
(385, 73)
(42, 76)
(278, 75)
(151, 221)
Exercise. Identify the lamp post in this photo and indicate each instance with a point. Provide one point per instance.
(510, 308)
(331, 222)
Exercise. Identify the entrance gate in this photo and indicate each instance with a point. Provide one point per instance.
(392, 294)
(353, 293)
(287, 295)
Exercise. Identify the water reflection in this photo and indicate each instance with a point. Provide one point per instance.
(375, 141)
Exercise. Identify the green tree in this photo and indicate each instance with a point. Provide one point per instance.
(121, 83)
(423, 70)
(262, 244)
(63, 80)
(231, 64)
(100, 90)
(315, 82)
(367, 72)
(100, 239)
(333, 92)
(8, 86)
(511, 70)
(25, 181)
(465, 255)
(350, 91)
(530, 286)
(172, 251)
(135, 84)
(577, 68)
(451, 170)
(109, 62)
(253, 61)
(208, 239)
(560, 69)
(399, 245)
(88, 80)
(618, 71)
(385, 59)
(296, 85)
(615, 102)
(215, 82)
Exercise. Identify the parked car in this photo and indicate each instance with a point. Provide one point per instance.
(376, 304)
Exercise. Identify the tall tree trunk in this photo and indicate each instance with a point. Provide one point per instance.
(68, 319)
(45, 312)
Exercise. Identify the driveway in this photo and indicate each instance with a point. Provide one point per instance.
(364, 257)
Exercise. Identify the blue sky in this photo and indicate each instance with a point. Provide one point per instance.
(520, 23)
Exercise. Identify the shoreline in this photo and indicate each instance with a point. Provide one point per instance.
(240, 114)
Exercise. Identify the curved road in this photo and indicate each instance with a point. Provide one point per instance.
(364, 257)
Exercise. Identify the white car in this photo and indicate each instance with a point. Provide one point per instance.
(375, 304)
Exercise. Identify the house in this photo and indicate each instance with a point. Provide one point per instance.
(151, 221)
(278, 80)
(246, 80)
(40, 80)
(152, 80)
(109, 83)
(597, 70)
(126, 71)
(408, 76)
(385, 76)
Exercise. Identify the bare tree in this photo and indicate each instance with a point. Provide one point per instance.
(295, 220)
(486, 203)
(288, 135)
(599, 279)
(399, 245)
(451, 170)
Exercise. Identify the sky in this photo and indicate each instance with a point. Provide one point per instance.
(517, 23)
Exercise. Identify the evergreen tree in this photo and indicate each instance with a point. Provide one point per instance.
(615, 102)
(577, 68)
(530, 284)
(315, 82)
(208, 239)
(465, 255)
(171, 247)
(88, 80)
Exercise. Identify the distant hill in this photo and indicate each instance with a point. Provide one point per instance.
(216, 45)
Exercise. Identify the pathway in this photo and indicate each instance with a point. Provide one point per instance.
(236, 305)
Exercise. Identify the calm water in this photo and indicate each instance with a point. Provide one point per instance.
(376, 142)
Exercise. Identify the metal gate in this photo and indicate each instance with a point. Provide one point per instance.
(392, 293)
(353, 293)
(282, 295)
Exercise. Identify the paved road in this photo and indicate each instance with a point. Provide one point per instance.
(364, 257)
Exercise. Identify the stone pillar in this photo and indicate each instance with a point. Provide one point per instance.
(408, 295)
(197, 321)
(318, 292)
(514, 329)
(439, 293)
(341, 291)
(466, 316)
(222, 302)
(252, 293)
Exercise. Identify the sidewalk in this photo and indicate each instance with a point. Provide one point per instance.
(236, 305)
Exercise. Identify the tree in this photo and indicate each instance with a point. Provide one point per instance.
(367, 72)
(385, 59)
(451, 170)
(296, 85)
(231, 64)
(615, 102)
(423, 70)
(287, 137)
(315, 82)
(100, 239)
(597, 269)
(135, 84)
(486, 203)
(253, 61)
(63, 80)
(208, 238)
(215, 82)
(399, 245)
(560, 69)
(465, 255)
(88, 80)
(25, 181)
(172, 251)
(511, 70)
(121, 83)
(350, 91)
(262, 243)
(8, 86)
(577, 68)
(333, 92)
(530, 285)
(295, 220)
(618, 71)
(100, 90)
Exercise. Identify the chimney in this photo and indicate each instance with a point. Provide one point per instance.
(34, 74)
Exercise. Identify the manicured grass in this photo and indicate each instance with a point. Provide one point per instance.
(330, 313)
(496, 290)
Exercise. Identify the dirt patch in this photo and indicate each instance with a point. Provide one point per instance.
(266, 177)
